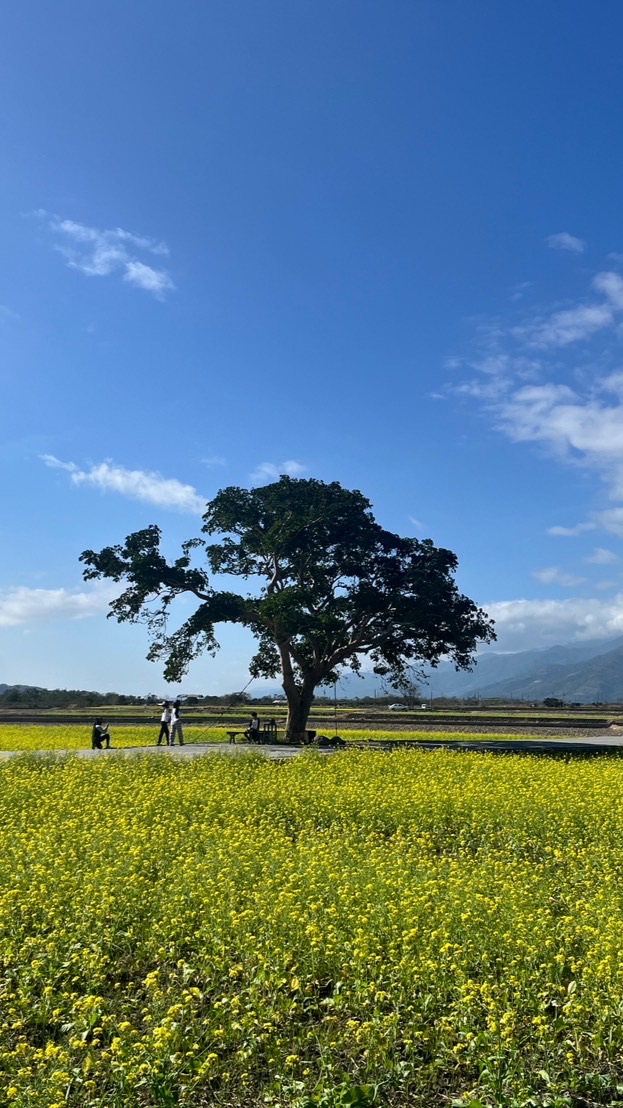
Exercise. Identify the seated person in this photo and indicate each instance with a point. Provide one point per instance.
(252, 733)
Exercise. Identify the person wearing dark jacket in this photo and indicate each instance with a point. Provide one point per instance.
(99, 734)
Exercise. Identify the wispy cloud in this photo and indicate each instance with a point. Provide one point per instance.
(214, 461)
(569, 326)
(271, 471)
(20, 606)
(602, 557)
(520, 290)
(564, 241)
(551, 376)
(611, 284)
(148, 278)
(553, 575)
(137, 484)
(571, 532)
(611, 520)
(100, 253)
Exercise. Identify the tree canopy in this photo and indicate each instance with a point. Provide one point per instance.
(330, 586)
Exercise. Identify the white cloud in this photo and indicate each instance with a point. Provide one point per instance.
(520, 290)
(602, 557)
(527, 624)
(138, 484)
(214, 460)
(569, 326)
(148, 278)
(99, 253)
(565, 399)
(612, 285)
(269, 471)
(21, 605)
(553, 575)
(569, 532)
(611, 520)
(582, 429)
(564, 241)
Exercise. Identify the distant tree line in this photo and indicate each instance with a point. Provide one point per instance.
(30, 696)
(26, 696)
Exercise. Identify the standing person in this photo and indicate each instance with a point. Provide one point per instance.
(100, 733)
(165, 720)
(253, 730)
(176, 725)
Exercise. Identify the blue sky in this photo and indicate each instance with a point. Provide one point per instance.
(373, 243)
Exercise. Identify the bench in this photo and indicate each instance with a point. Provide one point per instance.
(266, 734)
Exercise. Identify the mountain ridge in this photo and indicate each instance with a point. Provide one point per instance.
(583, 673)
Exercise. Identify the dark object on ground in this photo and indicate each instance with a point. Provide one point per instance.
(325, 741)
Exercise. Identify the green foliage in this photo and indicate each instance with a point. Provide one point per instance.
(344, 1095)
(330, 586)
(30, 696)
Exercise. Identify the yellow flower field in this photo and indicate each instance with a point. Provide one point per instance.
(395, 929)
(74, 736)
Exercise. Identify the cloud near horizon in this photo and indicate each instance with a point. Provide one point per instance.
(100, 253)
(530, 624)
(22, 606)
(137, 484)
(520, 624)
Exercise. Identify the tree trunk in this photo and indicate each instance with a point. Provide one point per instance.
(298, 713)
(299, 699)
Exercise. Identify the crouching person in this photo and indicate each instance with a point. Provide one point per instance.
(100, 735)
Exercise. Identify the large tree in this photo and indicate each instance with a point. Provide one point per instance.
(330, 586)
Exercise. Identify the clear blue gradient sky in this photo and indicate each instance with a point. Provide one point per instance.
(373, 243)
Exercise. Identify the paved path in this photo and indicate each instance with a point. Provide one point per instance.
(189, 750)
(565, 745)
(574, 745)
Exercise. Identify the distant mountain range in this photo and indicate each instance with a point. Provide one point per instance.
(582, 673)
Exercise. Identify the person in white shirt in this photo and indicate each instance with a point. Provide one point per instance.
(176, 725)
(165, 720)
(253, 730)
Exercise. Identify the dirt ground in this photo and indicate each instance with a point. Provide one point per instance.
(502, 728)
